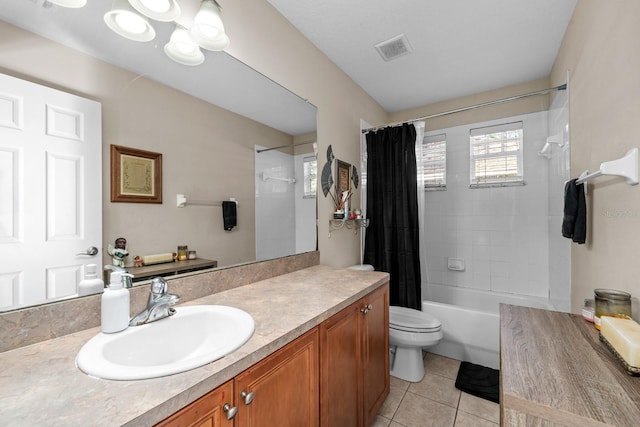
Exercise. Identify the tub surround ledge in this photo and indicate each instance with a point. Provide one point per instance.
(41, 382)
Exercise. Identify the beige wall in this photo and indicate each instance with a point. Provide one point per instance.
(263, 39)
(203, 146)
(601, 53)
(507, 109)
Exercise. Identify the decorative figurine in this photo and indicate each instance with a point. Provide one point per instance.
(137, 262)
(118, 253)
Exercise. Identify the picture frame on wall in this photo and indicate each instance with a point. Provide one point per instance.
(136, 175)
(343, 176)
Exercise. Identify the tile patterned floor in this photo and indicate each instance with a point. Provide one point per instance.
(435, 401)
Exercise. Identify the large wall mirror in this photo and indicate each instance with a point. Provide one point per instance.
(208, 122)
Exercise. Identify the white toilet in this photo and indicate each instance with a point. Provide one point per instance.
(409, 332)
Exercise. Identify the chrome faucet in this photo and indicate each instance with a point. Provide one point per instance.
(158, 305)
(127, 278)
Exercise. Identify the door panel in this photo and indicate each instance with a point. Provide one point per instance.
(376, 353)
(340, 369)
(51, 191)
(284, 386)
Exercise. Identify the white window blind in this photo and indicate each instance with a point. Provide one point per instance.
(496, 155)
(434, 162)
(310, 169)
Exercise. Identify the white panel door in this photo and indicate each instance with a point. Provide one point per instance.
(50, 191)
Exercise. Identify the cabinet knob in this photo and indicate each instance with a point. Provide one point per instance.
(247, 397)
(231, 411)
(366, 308)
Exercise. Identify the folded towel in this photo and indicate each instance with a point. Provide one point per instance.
(229, 215)
(574, 222)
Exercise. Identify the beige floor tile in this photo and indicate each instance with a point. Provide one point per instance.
(467, 420)
(398, 383)
(479, 407)
(441, 365)
(418, 411)
(395, 424)
(438, 388)
(380, 422)
(391, 403)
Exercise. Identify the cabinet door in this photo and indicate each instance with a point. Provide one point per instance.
(340, 369)
(205, 412)
(283, 388)
(375, 352)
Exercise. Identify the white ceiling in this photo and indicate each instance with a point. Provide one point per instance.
(460, 47)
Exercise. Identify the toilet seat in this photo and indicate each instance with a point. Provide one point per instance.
(410, 320)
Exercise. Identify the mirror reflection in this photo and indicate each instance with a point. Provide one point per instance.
(207, 122)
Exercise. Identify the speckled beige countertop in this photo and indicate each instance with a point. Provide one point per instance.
(40, 384)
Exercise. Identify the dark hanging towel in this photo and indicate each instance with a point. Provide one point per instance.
(392, 239)
(229, 215)
(574, 222)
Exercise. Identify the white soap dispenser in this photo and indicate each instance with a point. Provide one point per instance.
(91, 284)
(115, 306)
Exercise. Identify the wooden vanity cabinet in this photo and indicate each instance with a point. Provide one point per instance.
(280, 390)
(337, 374)
(205, 412)
(354, 362)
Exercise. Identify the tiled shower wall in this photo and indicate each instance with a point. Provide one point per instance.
(501, 233)
(285, 220)
(275, 205)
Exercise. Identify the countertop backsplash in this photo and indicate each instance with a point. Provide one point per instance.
(35, 324)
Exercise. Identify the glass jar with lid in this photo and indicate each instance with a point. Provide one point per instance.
(183, 252)
(610, 302)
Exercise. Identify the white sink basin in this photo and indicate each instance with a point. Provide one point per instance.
(193, 337)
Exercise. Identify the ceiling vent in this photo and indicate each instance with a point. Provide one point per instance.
(394, 47)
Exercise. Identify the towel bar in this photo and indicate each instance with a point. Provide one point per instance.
(626, 167)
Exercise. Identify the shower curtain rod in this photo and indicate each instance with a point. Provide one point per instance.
(471, 107)
(284, 146)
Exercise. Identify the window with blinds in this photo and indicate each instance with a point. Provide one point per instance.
(496, 155)
(310, 170)
(434, 162)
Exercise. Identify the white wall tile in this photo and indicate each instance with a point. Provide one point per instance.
(503, 233)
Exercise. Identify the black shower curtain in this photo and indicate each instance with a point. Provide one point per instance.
(392, 238)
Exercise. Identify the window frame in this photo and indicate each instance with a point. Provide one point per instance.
(432, 184)
(310, 180)
(508, 176)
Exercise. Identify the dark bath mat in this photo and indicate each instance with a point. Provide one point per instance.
(479, 381)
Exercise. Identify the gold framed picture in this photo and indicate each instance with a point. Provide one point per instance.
(136, 175)
(343, 176)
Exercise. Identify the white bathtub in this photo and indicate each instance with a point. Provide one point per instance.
(471, 321)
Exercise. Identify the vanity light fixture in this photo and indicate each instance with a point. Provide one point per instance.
(125, 21)
(182, 49)
(129, 18)
(75, 4)
(207, 29)
(160, 10)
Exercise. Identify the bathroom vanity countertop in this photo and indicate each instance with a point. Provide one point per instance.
(555, 371)
(42, 386)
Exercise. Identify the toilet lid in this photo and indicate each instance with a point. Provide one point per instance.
(410, 320)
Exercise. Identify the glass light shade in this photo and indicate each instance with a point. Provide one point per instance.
(160, 10)
(69, 3)
(182, 49)
(128, 23)
(207, 29)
